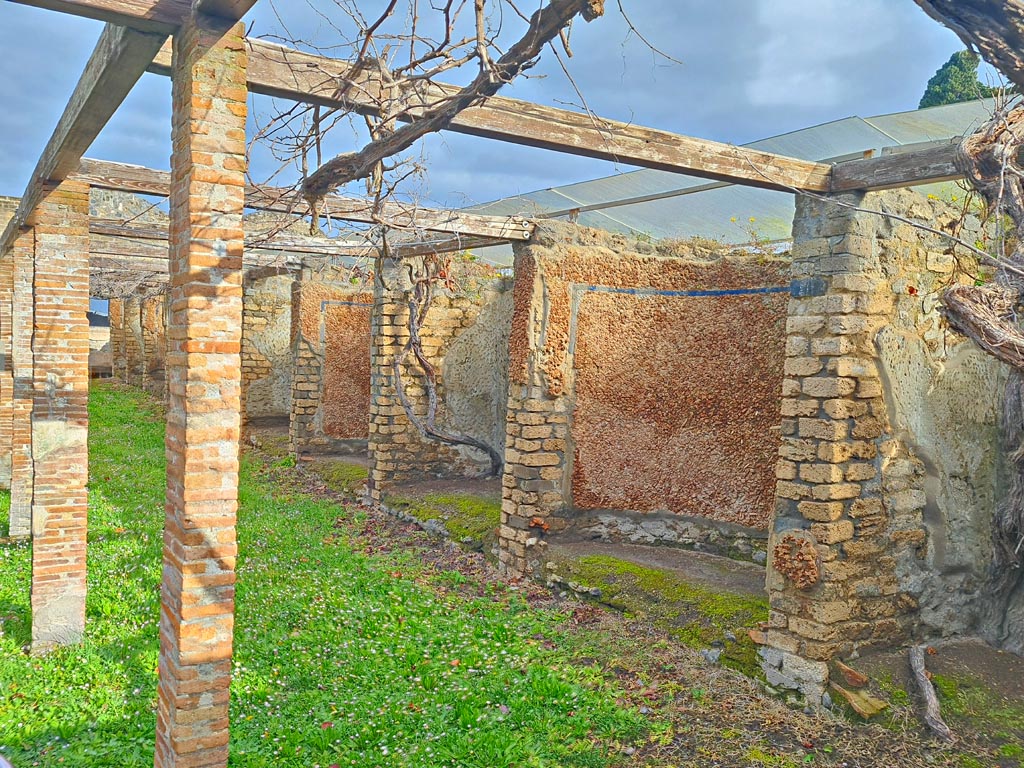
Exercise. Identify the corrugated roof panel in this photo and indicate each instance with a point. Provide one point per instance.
(934, 123)
(710, 212)
(721, 214)
(835, 139)
(820, 142)
(531, 204)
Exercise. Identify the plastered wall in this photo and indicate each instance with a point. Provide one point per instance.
(267, 346)
(644, 390)
(330, 386)
(465, 337)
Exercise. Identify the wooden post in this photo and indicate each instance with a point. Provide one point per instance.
(203, 369)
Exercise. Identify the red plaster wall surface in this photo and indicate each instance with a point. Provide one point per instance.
(676, 399)
(346, 399)
(677, 403)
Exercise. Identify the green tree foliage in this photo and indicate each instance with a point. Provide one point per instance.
(956, 81)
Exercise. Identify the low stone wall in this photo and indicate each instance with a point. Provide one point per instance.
(889, 466)
(644, 392)
(330, 402)
(267, 357)
(465, 337)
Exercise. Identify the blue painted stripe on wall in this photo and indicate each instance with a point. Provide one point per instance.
(714, 292)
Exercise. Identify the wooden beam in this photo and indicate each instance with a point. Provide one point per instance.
(225, 9)
(145, 15)
(120, 58)
(151, 241)
(133, 178)
(442, 245)
(899, 169)
(113, 239)
(163, 16)
(279, 71)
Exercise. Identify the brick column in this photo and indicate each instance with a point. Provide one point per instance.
(60, 416)
(154, 343)
(536, 482)
(6, 371)
(204, 337)
(133, 354)
(22, 312)
(118, 362)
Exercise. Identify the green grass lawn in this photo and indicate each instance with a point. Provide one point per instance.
(341, 658)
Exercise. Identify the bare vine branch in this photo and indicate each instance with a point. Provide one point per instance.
(545, 25)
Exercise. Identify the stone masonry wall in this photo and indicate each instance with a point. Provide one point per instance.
(267, 346)
(888, 468)
(471, 386)
(330, 385)
(643, 395)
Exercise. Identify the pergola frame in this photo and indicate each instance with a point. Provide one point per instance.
(44, 265)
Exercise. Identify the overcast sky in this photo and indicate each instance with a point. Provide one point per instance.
(750, 69)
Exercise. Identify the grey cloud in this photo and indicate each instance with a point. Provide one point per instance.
(751, 68)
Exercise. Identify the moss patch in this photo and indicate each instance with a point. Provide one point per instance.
(274, 445)
(340, 476)
(469, 519)
(696, 616)
(969, 704)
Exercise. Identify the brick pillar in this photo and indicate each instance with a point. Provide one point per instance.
(60, 416)
(6, 370)
(832, 575)
(118, 362)
(536, 481)
(154, 343)
(133, 354)
(22, 312)
(204, 338)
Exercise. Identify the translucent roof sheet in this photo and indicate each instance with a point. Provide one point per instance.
(934, 123)
(735, 214)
